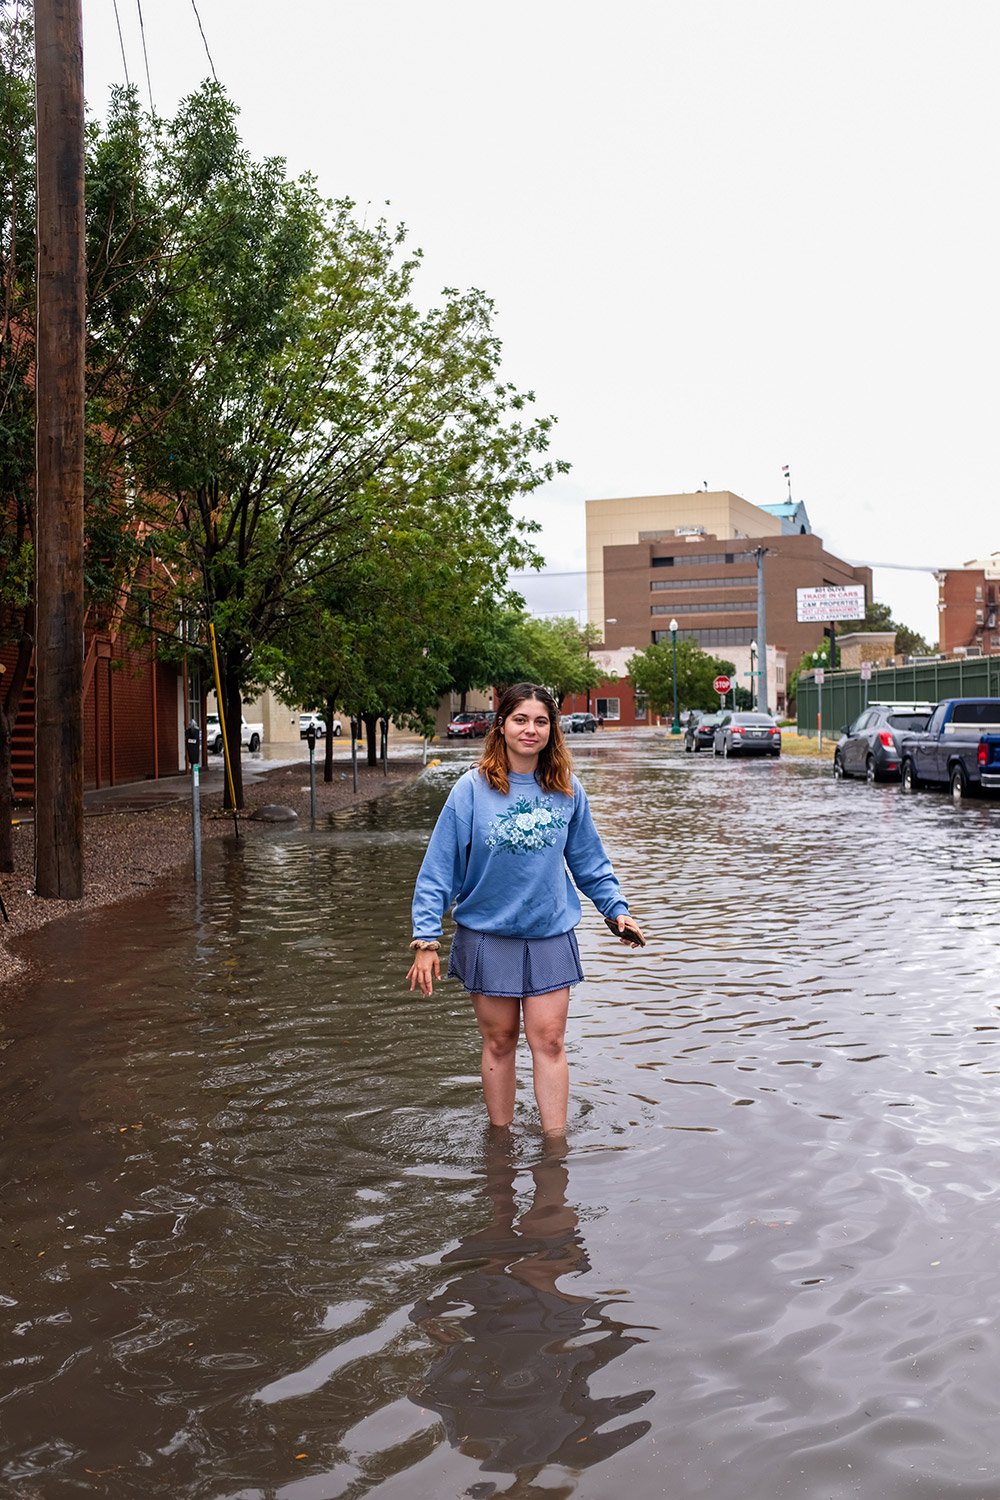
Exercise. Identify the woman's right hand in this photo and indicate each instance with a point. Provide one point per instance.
(425, 968)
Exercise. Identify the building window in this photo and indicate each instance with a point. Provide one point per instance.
(979, 592)
(731, 581)
(609, 708)
(979, 617)
(681, 560)
(726, 635)
(721, 606)
(640, 706)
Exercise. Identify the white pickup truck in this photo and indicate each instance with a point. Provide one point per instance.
(250, 734)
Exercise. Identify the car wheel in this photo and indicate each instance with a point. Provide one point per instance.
(217, 746)
(871, 773)
(908, 779)
(254, 743)
(838, 768)
(959, 784)
(775, 754)
(725, 749)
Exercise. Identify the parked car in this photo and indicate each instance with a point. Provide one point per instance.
(700, 731)
(955, 749)
(582, 724)
(870, 747)
(250, 734)
(317, 722)
(744, 733)
(470, 725)
(565, 723)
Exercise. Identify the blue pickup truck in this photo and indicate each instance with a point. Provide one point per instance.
(960, 748)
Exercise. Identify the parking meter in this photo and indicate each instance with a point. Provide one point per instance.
(311, 738)
(192, 742)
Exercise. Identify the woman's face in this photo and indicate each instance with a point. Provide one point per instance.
(526, 728)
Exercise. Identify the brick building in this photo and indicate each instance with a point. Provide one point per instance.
(969, 608)
(134, 712)
(692, 558)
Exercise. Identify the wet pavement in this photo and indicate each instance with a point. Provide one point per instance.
(257, 1243)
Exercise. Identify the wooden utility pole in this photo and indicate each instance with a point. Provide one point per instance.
(59, 392)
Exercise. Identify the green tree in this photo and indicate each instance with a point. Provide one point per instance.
(556, 654)
(304, 414)
(652, 674)
(878, 616)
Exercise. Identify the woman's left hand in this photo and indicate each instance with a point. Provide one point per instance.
(630, 932)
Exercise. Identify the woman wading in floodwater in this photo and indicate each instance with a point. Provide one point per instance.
(499, 851)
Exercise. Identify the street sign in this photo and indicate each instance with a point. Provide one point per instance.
(722, 684)
(866, 671)
(819, 677)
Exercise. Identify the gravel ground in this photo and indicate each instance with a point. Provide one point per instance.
(127, 849)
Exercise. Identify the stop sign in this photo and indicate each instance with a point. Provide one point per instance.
(722, 684)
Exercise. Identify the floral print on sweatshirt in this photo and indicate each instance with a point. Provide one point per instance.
(525, 827)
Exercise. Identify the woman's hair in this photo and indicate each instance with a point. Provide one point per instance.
(555, 768)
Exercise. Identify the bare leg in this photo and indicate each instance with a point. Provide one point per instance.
(545, 1028)
(499, 1023)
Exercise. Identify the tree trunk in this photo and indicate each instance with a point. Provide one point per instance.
(233, 710)
(371, 735)
(461, 701)
(328, 747)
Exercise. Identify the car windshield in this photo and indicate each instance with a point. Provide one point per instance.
(752, 719)
(707, 720)
(914, 722)
(463, 718)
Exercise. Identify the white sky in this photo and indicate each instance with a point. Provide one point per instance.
(721, 236)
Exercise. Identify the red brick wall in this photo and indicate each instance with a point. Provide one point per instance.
(618, 687)
(123, 740)
(792, 562)
(969, 600)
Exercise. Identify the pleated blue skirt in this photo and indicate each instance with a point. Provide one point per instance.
(513, 967)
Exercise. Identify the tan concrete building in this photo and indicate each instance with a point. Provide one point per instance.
(648, 518)
(691, 557)
(969, 608)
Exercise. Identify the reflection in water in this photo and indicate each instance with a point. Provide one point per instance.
(512, 1380)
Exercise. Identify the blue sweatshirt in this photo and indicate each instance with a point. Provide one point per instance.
(504, 858)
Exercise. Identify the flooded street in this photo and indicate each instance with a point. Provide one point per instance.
(258, 1245)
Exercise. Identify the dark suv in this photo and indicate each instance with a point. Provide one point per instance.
(870, 747)
(700, 731)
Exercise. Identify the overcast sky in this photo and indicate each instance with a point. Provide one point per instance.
(721, 236)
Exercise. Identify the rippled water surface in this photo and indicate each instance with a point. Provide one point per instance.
(258, 1245)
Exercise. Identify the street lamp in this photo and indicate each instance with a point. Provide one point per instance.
(675, 727)
(753, 674)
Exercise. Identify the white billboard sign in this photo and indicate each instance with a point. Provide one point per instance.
(821, 606)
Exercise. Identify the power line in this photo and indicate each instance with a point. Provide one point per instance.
(201, 28)
(121, 43)
(145, 55)
(853, 562)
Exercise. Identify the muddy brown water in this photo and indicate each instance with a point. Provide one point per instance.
(258, 1246)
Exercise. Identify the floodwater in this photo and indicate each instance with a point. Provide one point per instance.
(258, 1245)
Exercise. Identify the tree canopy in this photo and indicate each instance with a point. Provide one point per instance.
(302, 425)
(652, 674)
